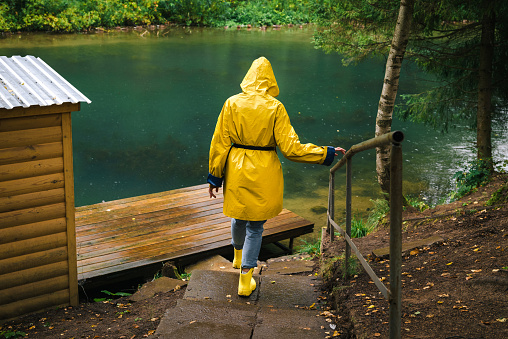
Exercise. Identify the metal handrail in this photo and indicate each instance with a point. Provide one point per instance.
(394, 294)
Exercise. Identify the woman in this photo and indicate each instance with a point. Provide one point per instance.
(243, 155)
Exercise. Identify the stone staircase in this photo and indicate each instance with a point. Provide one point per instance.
(285, 304)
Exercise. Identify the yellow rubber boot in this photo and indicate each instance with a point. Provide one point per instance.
(237, 261)
(247, 284)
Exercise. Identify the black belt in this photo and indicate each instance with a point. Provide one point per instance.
(257, 148)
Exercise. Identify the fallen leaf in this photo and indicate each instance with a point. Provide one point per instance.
(449, 263)
(192, 322)
(414, 252)
(336, 334)
(377, 334)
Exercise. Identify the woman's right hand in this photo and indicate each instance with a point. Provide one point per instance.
(341, 150)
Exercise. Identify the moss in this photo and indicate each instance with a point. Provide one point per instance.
(499, 197)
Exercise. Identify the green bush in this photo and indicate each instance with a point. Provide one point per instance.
(312, 248)
(416, 202)
(476, 174)
(359, 228)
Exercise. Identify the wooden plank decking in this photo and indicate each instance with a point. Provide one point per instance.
(126, 234)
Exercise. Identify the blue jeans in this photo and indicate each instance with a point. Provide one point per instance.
(247, 236)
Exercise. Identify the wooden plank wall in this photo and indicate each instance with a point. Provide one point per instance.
(37, 237)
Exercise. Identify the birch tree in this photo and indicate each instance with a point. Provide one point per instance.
(390, 87)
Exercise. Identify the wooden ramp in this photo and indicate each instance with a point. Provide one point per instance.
(128, 234)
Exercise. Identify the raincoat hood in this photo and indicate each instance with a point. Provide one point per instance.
(260, 78)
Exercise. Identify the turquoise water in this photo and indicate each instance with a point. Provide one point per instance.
(156, 96)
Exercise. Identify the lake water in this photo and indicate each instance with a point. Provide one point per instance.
(156, 96)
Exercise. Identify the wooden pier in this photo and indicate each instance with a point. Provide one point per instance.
(122, 236)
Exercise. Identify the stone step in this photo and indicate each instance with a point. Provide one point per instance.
(219, 320)
(283, 305)
(278, 291)
(198, 319)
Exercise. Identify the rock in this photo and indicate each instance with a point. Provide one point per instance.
(163, 284)
(170, 270)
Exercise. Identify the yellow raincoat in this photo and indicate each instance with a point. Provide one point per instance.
(253, 182)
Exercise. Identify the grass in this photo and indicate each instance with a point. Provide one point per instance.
(312, 248)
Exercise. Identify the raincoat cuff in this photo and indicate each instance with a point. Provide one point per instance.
(217, 182)
(330, 155)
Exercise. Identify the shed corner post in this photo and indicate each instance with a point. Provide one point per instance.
(70, 208)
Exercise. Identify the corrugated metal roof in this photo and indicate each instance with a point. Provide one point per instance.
(29, 81)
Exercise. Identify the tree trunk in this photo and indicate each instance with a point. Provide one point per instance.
(484, 112)
(390, 86)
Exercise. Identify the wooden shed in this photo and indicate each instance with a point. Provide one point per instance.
(37, 232)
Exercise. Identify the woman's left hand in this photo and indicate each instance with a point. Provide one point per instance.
(210, 191)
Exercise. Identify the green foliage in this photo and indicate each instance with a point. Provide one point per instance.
(500, 196)
(336, 267)
(184, 276)
(378, 212)
(312, 248)
(78, 15)
(359, 228)
(354, 29)
(12, 334)
(416, 202)
(353, 267)
(270, 12)
(117, 294)
(476, 174)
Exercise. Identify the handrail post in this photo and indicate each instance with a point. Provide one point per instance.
(348, 211)
(395, 239)
(331, 206)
